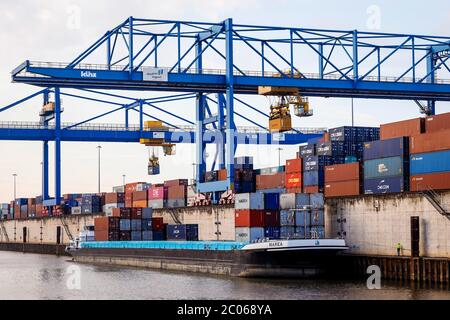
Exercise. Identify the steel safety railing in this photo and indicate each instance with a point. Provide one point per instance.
(237, 73)
(122, 127)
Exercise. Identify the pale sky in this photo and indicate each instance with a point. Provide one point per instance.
(46, 31)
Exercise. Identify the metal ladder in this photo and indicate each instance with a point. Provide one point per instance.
(66, 227)
(434, 198)
(3, 229)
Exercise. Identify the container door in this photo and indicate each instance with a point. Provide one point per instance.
(24, 230)
(58, 235)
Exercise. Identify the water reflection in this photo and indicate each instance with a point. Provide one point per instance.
(24, 276)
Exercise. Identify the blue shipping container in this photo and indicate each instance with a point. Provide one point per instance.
(136, 236)
(183, 232)
(316, 163)
(125, 225)
(147, 235)
(287, 218)
(146, 225)
(317, 218)
(272, 201)
(398, 147)
(302, 219)
(384, 168)
(287, 232)
(147, 213)
(272, 232)
(317, 200)
(434, 162)
(385, 185)
(158, 236)
(313, 178)
(136, 225)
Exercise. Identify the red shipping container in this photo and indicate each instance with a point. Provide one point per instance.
(158, 224)
(430, 142)
(136, 213)
(271, 218)
(294, 166)
(400, 129)
(343, 172)
(249, 218)
(343, 189)
(116, 212)
(434, 181)
(106, 224)
(175, 183)
(140, 195)
(326, 137)
(114, 198)
(437, 123)
(274, 181)
(222, 175)
(294, 181)
(132, 187)
(177, 192)
(157, 193)
(310, 190)
(294, 190)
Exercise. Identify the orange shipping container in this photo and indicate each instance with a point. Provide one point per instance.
(294, 180)
(400, 129)
(140, 204)
(437, 123)
(274, 181)
(294, 166)
(342, 172)
(249, 218)
(430, 142)
(310, 190)
(343, 189)
(222, 176)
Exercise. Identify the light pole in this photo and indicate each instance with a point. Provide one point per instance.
(123, 178)
(279, 156)
(99, 168)
(15, 176)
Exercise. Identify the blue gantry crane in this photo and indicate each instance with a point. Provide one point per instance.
(210, 63)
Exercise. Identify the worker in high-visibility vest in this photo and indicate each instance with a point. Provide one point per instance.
(399, 249)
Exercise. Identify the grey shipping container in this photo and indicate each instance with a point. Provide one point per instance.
(147, 213)
(147, 236)
(249, 201)
(317, 200)
(294, 201)
(176, 203)
(157, 204)
(287, 218)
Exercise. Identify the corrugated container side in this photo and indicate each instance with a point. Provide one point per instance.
(249, 234)
(342, 172)
(385, 185)
(397, 147)
(437, 123)
(434, 181)
(343, 189)
(430, 142)
(274, 181)
(434, 162)
(249, 201)
(400, 129)
(384, 168)
(294, 166)
(294, 180)
(249, 218)
(294, 201)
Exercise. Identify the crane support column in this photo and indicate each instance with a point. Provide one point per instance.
(45, 194)
(57, 146)
(230, 125)
(200, 119)
(431, 66)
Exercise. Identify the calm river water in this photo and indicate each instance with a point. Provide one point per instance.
(28, 276)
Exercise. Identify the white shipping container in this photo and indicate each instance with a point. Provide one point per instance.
(119, 189)
(249, 234)
(249, 201)
(76, 210)
(294, 201)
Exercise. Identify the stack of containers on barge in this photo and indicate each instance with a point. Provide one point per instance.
(130, 189)
(249, 217)
(4, 211)
(292, 216)
(271, 180)
(157, 196)
(91, 203)
(430, 155)
(244, 175)
(294, 176)
(113, 200)
(176, 193)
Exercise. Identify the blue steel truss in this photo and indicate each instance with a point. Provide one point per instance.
(200, 58)
(90, 130)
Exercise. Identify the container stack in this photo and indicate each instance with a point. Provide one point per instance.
(4, 211)
(90, 204)
(176, 193)
(107, 229)
(430, 155)
(386, 166)
(249, 217)
(271, 180)
(343, 180)
(182, 232)
(112, 201)
(140, 199)
(244, 176)
(130, 189)
(292, 216)
(314, 173)
(294, 176)
(157, 196)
